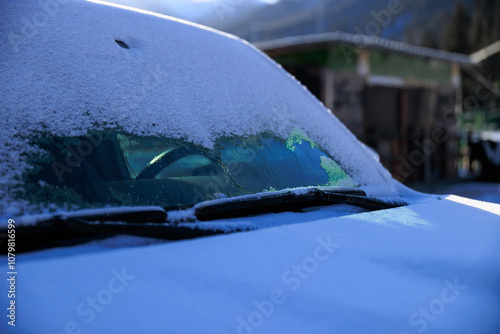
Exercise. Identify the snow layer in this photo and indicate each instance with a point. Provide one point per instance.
(62, 72)
(425, 268)
(483, 191)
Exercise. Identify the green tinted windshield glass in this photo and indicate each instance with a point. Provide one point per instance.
(115, 168)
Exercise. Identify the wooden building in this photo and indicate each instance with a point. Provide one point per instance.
(400, 99)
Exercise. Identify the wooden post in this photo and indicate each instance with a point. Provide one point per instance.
(363, 65)
(456, 82)
(328, 88)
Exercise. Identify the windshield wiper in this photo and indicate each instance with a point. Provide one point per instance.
(68, 229)
(46, 231)
(82, 226)
(293, 200)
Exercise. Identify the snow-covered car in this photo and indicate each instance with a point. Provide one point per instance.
(133, 145)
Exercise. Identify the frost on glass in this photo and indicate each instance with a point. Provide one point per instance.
(114, 168)
(297, 137)
(337, 177)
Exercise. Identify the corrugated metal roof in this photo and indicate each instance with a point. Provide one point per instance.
(360, 42)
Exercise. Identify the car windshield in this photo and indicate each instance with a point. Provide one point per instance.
(112, 167)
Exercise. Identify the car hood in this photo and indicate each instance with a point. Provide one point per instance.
(433, 266)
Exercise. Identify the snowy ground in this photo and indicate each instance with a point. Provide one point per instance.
(482, 191)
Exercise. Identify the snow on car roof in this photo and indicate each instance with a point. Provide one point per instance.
(68, 66)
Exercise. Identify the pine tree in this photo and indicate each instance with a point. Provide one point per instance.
(478, 36)
(495, 37)
(496, 23)
(430, 39)
(455, 37)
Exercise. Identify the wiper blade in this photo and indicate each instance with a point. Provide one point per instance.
(289, 200)
(46, 231)
(86, 225)
(122, 213)
(165, 230)
(279, 201)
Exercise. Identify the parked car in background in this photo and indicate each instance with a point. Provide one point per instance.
(134, 145)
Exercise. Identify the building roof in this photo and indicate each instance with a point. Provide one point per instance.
(361, 42)
(486, 52)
